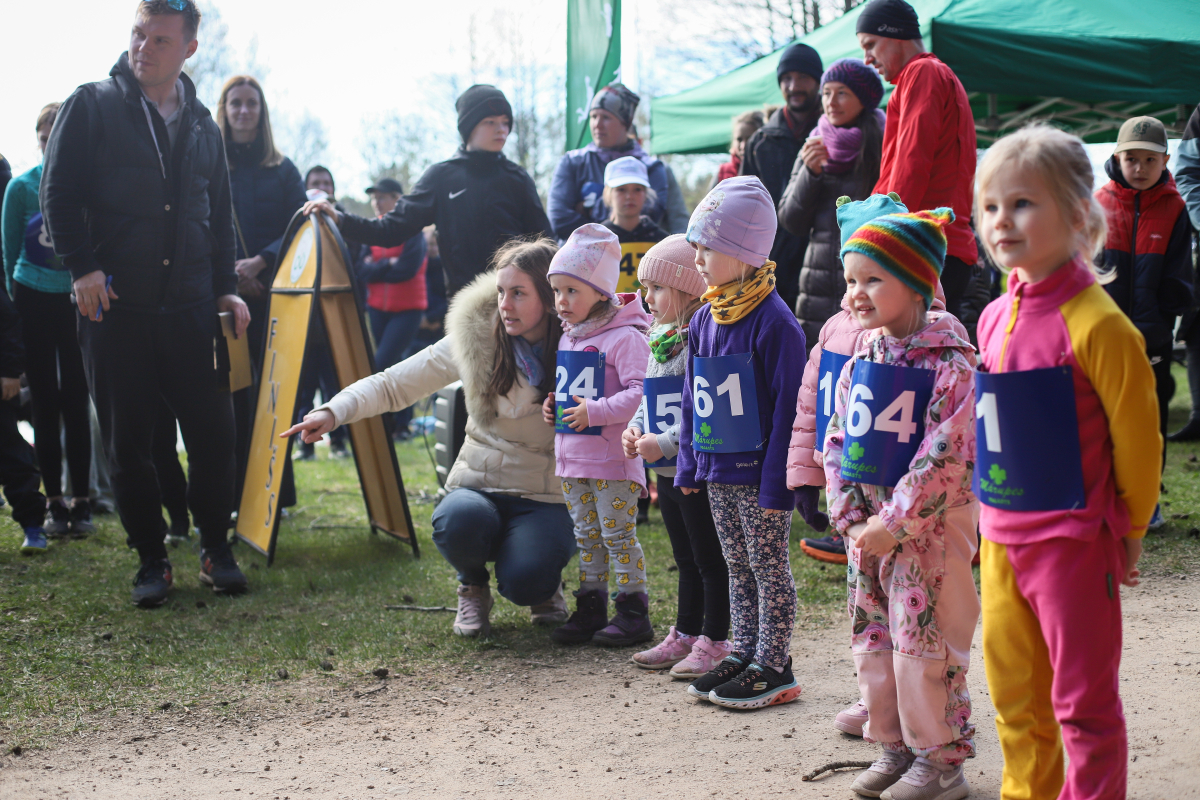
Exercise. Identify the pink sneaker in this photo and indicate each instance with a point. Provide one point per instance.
(705, 656)
(670, 652)
(851, 720)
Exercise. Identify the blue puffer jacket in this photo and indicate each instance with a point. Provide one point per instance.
(579, 177)
(264, 199)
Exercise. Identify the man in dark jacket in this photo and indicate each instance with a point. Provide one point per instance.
(772, 150)
(135, 194)
(478, 199)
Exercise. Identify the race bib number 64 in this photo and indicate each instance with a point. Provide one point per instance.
(885, 421)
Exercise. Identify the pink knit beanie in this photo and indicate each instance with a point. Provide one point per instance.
(672, 262)
(591, 255)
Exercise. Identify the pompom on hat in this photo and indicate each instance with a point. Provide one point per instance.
(672, 262)
(910, 246)
(591, 255)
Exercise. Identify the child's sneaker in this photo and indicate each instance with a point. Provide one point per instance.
(81, 519)
(667, 653)
(1158, 520)
(851, 720)
(887, 770)
(757, 687)
(35, 542)
(58, 520)
(631, 623)
(705, 656)
(730, 666)
(925, 780)
(828, 549)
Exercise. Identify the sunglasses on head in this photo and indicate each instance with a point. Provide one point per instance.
(180, 5)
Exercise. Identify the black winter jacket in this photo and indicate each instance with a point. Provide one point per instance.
(265, 198)
(770, 154)
(167, 241)
(809, 210)
(478, 201)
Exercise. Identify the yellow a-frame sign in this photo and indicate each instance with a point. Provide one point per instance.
(313, 277)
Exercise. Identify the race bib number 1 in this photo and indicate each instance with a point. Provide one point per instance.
(830, 373)
(885, 421)
(663, 398)
(725, 405)
(1027, 441)
(577, 374)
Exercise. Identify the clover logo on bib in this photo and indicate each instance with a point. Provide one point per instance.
(997, 475)
(705, 429)
(856, 451)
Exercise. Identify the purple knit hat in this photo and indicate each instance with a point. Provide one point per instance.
(591, 255)
(736, 218)
(672, 262)
(862, 80)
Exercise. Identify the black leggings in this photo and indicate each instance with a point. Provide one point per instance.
(57, 387)
(703, 576)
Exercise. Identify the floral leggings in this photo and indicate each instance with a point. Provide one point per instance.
(762, 594)
(605, 513)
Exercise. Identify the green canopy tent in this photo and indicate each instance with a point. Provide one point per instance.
(1084, 65)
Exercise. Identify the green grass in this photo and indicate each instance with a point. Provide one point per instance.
(73, 649)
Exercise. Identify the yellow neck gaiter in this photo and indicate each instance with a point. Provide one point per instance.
(734, 300)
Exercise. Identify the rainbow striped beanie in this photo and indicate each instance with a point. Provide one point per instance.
(910, 246)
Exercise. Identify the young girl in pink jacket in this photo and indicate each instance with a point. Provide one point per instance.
(898, 452)
(600, 484)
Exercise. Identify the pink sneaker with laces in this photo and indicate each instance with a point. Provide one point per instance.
(851, 720)
(705, 656)
(666, 654)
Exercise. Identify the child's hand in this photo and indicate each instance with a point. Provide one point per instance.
(686, 490)
(854, 531)
(9, 388)
(1133, 551)
(577, 417)
(548, 409)
(313, 426)
(649, 449)
(629, 441)
(875, 539)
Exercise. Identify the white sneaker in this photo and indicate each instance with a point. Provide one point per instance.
(553, 611)
(474, 605)
(887, 770)
(924, 780)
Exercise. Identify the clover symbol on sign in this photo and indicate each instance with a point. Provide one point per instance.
(997, 475)
(856, 451)
(705, 429)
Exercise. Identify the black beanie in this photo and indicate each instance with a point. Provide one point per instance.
(891, 19)
(799, 58)
(480, 101)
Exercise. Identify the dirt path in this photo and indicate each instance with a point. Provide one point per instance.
(583, 724)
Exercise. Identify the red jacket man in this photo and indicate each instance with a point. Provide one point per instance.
(929, 141)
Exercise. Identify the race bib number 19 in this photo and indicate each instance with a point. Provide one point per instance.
(885, 421)
(725, 405)
(577, 374)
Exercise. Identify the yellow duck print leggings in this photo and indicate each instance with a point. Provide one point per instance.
(605, 517)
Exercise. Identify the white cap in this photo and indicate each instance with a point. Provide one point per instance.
(624, 171)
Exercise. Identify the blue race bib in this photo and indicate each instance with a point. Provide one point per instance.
(829, 371)
(885, 421)
(663, 398)
(725, 405)
(577, 374)
(39, 250)
(1027, 441)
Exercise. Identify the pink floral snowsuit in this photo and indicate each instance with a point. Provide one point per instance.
(914, 611)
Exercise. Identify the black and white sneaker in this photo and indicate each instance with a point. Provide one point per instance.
(81, 519)
(153, 583)
(58, 520)
(219, 569)
(730, 667)
(757, 687)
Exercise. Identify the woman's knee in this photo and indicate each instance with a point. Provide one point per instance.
(464, 518)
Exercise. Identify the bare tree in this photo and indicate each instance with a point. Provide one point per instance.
(301, 138)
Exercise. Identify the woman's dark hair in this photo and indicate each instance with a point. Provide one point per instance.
(532, 257)
(866, 169)
(271, 156)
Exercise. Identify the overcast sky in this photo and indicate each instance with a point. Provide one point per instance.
(339, 60)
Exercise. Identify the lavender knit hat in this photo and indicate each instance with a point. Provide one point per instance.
(591, 255)
(859, 78)
(672, 262)
(736, 218)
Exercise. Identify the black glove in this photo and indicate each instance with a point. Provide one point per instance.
(807, 502)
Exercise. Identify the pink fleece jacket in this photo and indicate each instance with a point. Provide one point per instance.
(842, 334)
(626, 351)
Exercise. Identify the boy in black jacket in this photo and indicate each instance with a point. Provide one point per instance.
(18, 475)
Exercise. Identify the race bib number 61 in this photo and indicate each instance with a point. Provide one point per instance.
(725, 405)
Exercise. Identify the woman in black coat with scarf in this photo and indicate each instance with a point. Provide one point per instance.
(267, 191)
(840, 158)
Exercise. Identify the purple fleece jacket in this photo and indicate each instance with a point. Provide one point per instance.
(771, 333)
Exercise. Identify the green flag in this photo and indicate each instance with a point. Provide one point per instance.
(593, 60)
